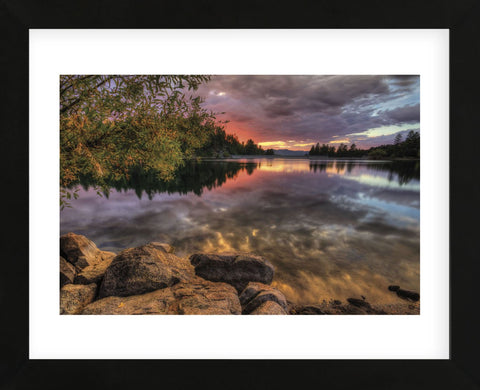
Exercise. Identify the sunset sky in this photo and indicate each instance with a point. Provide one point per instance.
(294, 112)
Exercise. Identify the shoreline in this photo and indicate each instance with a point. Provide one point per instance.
(151, 279)
(314, 158)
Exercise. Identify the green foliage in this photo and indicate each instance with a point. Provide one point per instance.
(324, 150)
(410, 148)
(111, 123)
(377, 154)
(221, 144)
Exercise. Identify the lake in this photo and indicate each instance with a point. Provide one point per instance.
(333, 229)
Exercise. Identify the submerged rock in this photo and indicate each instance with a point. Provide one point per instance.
(74, 297)
(406, 294)
(235, 269)
(143, 269)
(196, 296)
(67, 272)
(307, 310)
(80, 251)
(359, 303)
(255, 294)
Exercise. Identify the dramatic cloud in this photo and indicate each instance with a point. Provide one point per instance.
(301, 110)
(405, 114)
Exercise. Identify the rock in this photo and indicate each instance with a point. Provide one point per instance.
(406, 294)
(359, 303)
(359, 306)
(80, 251)
(235, 269)
(74, 297)
(309, 310)
(197, 296)
(143, 269)
(67, 272)
(269, 307)
(156, 302)
(255, 294)
(94, 273)
(204, 297)
(251, 290)
(165, 247)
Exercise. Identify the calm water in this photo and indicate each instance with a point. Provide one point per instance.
(333, 229)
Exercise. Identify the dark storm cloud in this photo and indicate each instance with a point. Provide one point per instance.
(312, 108)
(405, 114)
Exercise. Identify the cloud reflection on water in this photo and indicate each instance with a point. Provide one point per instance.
(342, 230)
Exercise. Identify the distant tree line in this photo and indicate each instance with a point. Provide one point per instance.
(410, 147)
(342, 151)
(221, 144)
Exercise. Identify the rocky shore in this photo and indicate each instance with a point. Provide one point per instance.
(151, 279)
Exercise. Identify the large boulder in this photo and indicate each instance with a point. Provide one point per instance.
(74, 297)
(67, 272)
(198, 296)
(80, 251)
(94, 273)
(235, 269)
(143, 269)
(167, 248)
(269, 308)
(203, 297)
(255, 294)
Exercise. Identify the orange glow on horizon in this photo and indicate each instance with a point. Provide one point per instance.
(244, 133)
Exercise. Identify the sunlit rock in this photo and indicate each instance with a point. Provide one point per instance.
(94, 273)
(67, 272)
(143, 269)
(167, 248)
(269, 308)
(80, 251)
(74, 297)
(255, 294)
(235, 269)
(198, 296)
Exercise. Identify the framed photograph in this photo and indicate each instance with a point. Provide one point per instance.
(303, 173)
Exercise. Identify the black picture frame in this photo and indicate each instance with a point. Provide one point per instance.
(461, 17)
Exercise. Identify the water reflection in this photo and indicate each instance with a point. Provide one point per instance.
(333, 229)
(192, 177)
(196, 177)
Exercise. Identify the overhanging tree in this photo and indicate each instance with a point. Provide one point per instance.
(111, 123)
